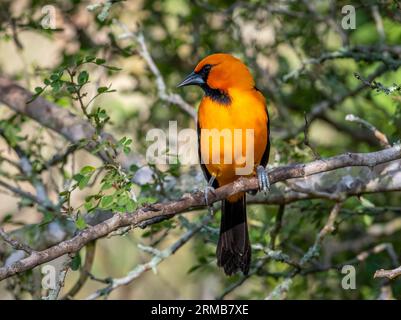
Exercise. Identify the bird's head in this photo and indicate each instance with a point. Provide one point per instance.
(220, 71)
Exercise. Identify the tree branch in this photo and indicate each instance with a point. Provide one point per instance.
(390, 274)
(380, 136)
(14, 243)
(197, 199)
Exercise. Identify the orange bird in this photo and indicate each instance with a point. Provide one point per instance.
(232, 104)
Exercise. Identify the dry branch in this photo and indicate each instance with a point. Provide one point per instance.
(380, 136)
(14, 243)
(390, 274)
(197, 199)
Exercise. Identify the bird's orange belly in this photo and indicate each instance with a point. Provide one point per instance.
(233, 139)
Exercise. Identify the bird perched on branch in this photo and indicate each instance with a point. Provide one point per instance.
(231, 111)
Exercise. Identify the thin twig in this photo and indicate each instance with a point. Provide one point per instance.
(307, 143)
(277, 226)
(27, 195)
(380, 136)
(390, 274)
(14, 243)
(175, 99)
(328, 228)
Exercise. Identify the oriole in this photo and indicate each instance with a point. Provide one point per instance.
(231, 101)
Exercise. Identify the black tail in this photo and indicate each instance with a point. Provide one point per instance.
(234, 249)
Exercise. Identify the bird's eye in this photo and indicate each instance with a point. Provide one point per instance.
(204, 72)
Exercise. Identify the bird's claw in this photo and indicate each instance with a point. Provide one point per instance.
(208, 189)
(263, 179)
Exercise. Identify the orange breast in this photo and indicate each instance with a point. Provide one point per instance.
(224, 130)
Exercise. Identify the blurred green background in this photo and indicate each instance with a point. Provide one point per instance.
(301, 58)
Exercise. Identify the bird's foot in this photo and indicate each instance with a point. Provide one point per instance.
(208, 189)
(263, 179)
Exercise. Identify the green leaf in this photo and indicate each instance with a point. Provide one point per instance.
(80, 223)
(56, 85)
(71, 89)
(83, 77)
(106, 185)
(76, 262)
(194, 268)
(127, 150)
(146, 200)
(79, 61)
(130, 206)
(106, 201)
(89, 198)
(90, 58)
(366, 203)
(122, 141)
(123, 200)
(100, 61)
(133, 168)
(54, 77)
(84, 182)
(38, 89)
(64, 193)
(112, 68)
(119, 209)
(102, 90)
(78, 177)
(7, 218)
(87, 169)
(367, 220)
(102, 114)
(88, 206)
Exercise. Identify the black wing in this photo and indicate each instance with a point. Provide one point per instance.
(266, 153)
(206, 173)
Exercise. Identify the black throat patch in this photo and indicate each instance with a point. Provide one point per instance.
(216, 95)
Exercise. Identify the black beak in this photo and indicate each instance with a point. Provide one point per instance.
(192, 79)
